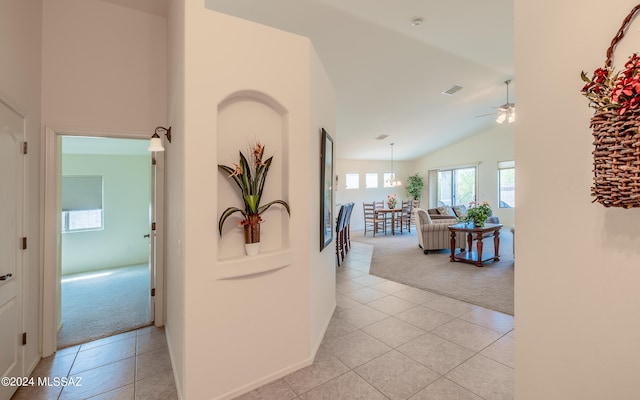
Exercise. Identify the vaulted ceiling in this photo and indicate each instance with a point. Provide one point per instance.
(389, 73)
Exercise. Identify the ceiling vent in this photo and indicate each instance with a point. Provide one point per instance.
(452, 90)
(382, 137)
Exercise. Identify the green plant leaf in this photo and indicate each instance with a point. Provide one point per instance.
(226, 214)
(261, 177)
(247, 184)
(252, 202)
(269, 204)
(230, 172)
(584, 77)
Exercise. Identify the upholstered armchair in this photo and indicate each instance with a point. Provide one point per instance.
(435, 235)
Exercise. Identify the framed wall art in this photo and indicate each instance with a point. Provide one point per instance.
(326, 190)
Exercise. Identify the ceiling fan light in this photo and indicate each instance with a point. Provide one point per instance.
(507, 111)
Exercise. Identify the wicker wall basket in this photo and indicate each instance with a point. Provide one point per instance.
(616, 133)
(616, 158)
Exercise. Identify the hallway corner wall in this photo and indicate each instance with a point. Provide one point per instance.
(20, 87)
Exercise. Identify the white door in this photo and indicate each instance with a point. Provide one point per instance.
(11, 196)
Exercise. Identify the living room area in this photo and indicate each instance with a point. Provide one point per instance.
(415, 305)
(398, 257)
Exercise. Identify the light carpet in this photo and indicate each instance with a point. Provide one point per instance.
(398, 258)
(104, 302)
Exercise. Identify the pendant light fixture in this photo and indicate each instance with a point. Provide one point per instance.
(392, 181)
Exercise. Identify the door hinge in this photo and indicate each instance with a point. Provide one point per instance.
(24, 243)
(153, 226)
(25, 147)
(24, 338)
(153, 161)
(153, 292)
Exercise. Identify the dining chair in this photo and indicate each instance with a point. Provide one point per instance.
(372, 220)
(414, 206)
(347, 227)
(404, 217)
(382, 216)
(340, 251)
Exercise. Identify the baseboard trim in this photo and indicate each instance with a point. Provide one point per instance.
(316, 346)
(283, 372)
(263, 381)
(33, 365)
(167, 335)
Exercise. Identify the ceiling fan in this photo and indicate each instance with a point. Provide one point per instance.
(506, 112)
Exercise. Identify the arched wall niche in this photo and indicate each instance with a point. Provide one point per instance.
(245, 118)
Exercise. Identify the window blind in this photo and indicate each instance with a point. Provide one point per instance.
(81, 193)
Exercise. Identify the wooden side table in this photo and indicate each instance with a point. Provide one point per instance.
(478, 233)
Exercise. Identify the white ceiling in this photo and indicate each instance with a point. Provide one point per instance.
(389, 75)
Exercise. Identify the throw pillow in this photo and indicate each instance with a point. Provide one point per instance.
(446, 210)
(460, 210)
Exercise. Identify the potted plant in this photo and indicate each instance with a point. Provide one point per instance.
(250, 176)
(415, 183)
(391, 201)
(477, 214)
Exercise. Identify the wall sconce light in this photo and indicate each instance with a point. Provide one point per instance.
(156, 141)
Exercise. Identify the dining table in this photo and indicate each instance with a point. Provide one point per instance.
(386, 212)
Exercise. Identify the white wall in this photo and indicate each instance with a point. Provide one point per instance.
(577, 266)
(104, 67)
(247, 331)
(126, 185)
(103, 71)
(175, 327)
(486, 150)
(322, 277)
(402, 170)
(20, 87)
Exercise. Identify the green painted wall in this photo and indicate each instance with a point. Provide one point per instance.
(126, 214)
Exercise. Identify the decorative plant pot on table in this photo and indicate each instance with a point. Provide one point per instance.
(250, 176)
(477, 214)
(391, 201)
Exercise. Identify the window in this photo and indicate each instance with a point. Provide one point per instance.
(352, 181)
(371, 180)
(507, 184)
(81, 220)
(81, 203)
(456, 186)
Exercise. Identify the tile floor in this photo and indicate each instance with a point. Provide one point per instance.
(128, 366)
(386, 340)
(391, 341)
